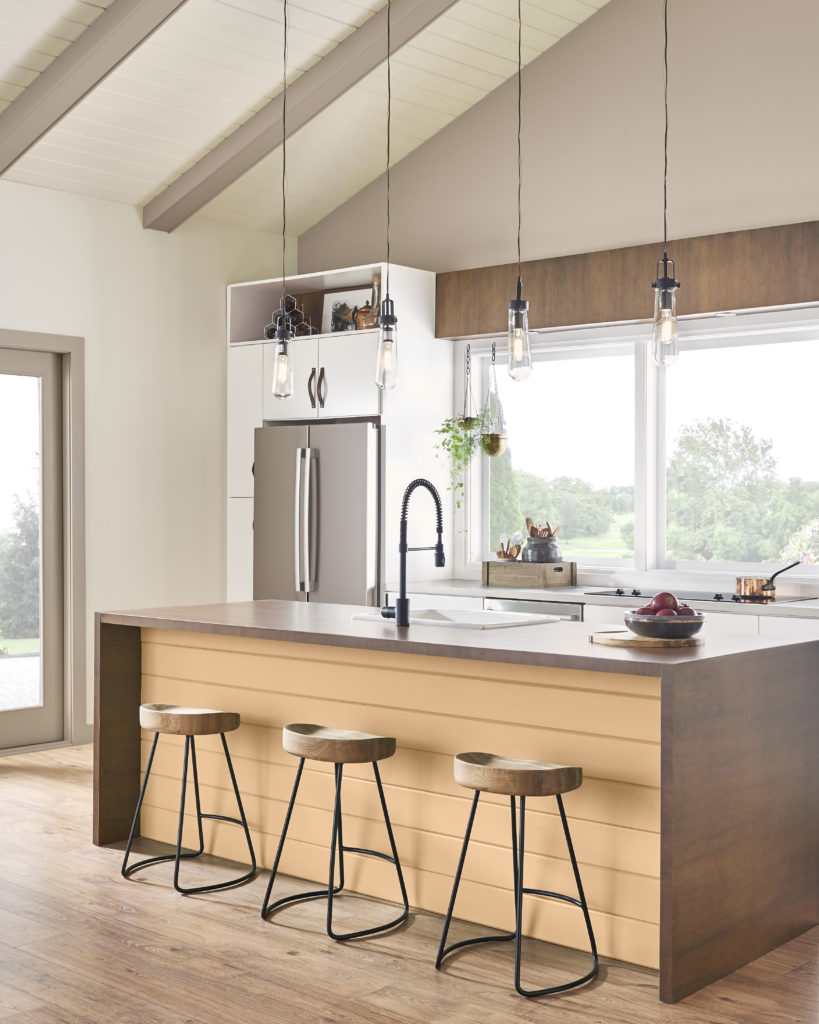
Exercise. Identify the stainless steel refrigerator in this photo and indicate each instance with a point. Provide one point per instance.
(317, 512)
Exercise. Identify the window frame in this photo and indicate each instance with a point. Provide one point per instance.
(715, 330)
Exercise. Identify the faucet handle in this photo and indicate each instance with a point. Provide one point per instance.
(387, 612)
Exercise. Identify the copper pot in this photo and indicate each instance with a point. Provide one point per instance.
(760, 587)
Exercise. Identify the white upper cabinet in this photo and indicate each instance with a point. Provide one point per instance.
(304, 403)
(333, 376)
(346, 376)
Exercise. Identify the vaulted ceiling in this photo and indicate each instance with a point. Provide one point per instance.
(174, 106)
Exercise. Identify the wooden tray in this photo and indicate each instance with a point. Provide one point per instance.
(514, 573)
(625, 638)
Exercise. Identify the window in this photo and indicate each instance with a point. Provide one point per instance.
(741, 471)
(570, 458)
(709, 465)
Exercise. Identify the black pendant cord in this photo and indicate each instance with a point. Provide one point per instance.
(520, 96)
(389, 133)
(284, 158)
(665, 139)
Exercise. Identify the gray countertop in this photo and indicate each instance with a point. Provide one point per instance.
(557, 644)
(473, 588)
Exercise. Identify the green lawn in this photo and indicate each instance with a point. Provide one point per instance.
(31, 646)
(605, 545)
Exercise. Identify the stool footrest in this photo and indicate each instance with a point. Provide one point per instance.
(472, 942)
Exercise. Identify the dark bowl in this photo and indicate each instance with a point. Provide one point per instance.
(666, 627)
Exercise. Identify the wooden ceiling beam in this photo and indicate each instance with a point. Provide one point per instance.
(115, 34)
(310, 94)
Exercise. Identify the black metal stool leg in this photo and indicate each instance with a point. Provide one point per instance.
(267, 907)
(443, 949)
(242, 820)
(583, 904)
(518, 848)
(338, 849)
(370, 853)
(521, 889)
(126, 871)
(177, 856)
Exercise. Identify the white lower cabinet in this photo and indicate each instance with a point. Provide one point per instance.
(239, 567)
(727, 622)
(776, 626)
(604, 613)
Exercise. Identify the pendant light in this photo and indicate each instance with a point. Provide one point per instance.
(280, 328)
(519, 354)
(386, 369)
(666, 344)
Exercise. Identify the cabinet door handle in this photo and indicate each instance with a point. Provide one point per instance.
(311, 393)
(322, 388)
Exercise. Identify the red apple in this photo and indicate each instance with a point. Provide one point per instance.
(664, 600)
(648, 610)
(684, 609)
(666, 611)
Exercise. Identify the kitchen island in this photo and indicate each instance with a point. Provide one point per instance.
(695, 826)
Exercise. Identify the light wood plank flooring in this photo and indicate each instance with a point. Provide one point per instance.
(79, 944)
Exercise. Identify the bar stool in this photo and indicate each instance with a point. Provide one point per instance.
(340, 747)
(189, 722)
(515, 778)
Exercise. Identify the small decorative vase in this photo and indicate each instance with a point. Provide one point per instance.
(541, 549)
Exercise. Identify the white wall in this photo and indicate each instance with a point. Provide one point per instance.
(743, 146)
(151, 308)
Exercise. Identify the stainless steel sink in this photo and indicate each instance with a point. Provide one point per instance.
(464, 619)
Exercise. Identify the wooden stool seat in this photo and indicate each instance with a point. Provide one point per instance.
(339, 746)
(182, 721)
(511, 776)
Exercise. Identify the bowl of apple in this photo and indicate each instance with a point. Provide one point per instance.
(665, 618)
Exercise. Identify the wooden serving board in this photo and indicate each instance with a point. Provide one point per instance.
(625, 638)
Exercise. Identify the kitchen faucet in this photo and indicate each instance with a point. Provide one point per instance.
(401, 610)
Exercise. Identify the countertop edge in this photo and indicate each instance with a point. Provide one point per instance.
(295, 627)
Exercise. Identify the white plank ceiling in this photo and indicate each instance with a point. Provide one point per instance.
(214, 63)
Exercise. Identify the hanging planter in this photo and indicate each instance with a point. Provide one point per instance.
(461, 435)
(493, 428)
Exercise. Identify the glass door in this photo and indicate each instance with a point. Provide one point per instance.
(31, 558)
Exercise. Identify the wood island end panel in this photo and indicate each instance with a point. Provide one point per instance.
(608, 723)
(740, 857)
(118, 659)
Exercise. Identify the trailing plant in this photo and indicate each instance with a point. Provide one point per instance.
(460, 438)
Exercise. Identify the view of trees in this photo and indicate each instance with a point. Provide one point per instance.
(725, 502)
(579, 509)
(20, 573)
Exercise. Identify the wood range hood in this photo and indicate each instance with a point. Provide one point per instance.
(751, 269)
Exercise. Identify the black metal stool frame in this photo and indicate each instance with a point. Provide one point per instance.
(178, 856)
(519, 891)
(337, 845)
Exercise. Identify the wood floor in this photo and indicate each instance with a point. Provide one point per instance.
(80, 944)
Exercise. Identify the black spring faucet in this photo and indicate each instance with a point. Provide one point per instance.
(401, 610)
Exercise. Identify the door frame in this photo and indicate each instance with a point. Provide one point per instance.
(72, 371)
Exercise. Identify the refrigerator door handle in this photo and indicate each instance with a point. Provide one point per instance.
(309, 463)
(297, 490)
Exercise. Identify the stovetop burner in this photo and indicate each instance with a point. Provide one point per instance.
(692, 595)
